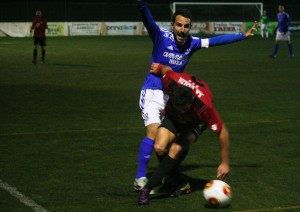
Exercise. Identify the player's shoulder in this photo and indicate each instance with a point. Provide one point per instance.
(195, 37)
(175, 76)
(169, 74)
(185, 75)
(194, 42)
(165, 31)
(287, 14)
(167, 34)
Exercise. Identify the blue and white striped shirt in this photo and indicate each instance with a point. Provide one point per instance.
(166, 51)
(284, 21)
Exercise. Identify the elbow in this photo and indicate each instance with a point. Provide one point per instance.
(224, 135)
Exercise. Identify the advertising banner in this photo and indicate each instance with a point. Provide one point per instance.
(120, 28)
(201, 27)
(197, 27)
(14, 29)
(295, 28)
(84, 28)
(226, 27)
(132, 28)
(57, 29)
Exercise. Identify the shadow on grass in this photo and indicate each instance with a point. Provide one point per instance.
(197, 184)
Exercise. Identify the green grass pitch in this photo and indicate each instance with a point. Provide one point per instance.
(70, 129)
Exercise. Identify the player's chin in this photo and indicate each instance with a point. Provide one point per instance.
(180, 39)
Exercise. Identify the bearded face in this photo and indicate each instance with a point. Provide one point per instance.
(181, 28)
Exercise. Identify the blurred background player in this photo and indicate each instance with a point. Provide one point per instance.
(264, 24)
(282, 31)
(39, 25)
(173, 48)
(189, 107)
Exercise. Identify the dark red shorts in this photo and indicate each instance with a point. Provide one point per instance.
(39, 41)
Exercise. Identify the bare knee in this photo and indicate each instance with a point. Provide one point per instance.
(175, 150)
(160, 149)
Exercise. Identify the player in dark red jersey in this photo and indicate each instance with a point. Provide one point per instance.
(190, 105)
(39, 25)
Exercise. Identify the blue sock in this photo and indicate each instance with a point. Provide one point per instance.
(276, 47)
(291, 49)
(145, 153)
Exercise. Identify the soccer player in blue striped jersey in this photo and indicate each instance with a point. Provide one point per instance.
(282, 31)
(173, 48)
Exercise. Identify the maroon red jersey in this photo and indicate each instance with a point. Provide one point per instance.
(39, 25)
(202, 110)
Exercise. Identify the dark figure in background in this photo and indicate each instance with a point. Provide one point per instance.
(282, 31)
(39, 25)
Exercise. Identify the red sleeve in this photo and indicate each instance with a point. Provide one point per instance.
(167, 76)
(33, 23)
(213, 119)
(45, 24)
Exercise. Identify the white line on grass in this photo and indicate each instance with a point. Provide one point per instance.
(271, 209)
(22, 198)
(71, 131)
(132, 128)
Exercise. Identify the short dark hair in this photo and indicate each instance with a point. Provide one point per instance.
(182, 95)
(183, 12)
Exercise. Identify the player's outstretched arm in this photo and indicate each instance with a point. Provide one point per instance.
(250, 31)
(228, 38)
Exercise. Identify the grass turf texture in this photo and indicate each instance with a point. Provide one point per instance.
(71, 128)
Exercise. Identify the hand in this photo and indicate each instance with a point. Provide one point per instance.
(250, 31)
(155, 68)
(223, 171)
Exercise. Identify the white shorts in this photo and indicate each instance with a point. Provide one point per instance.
(283, 37)
(152, 104)
(264, 26)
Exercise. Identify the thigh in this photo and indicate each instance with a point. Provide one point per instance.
(183, 141)
(164, 138)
